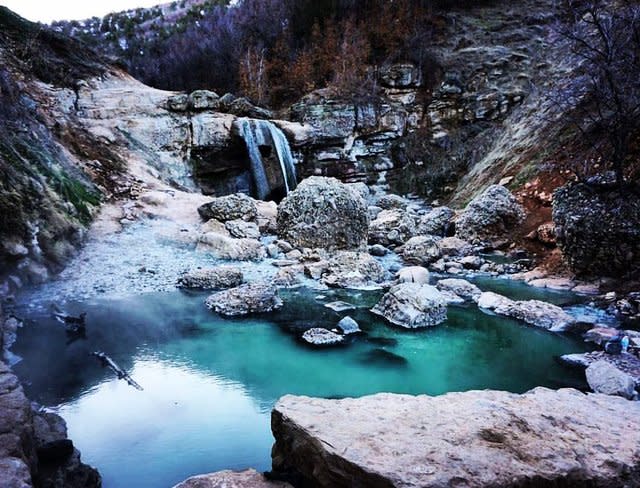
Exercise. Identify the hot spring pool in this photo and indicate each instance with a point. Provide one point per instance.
(210, 383)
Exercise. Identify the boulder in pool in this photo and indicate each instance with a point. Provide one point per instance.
(533, 312)
(245, 299)
(218, 278)
(323, 213)
(353, 270)
(348, 326)
(412, 305)
(460, 287)
(413, 274)
(322, 337)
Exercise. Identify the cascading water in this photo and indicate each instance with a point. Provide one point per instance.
(257, 133)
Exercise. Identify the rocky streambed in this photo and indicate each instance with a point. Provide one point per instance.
(335, 293)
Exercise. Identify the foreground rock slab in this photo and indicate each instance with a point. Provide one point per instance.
(231, 479)
(472, 439)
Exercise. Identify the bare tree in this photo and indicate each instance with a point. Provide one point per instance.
(605, 37)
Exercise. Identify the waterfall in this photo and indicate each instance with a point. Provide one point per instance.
(258, 133)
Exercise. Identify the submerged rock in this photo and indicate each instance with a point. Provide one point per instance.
(245, 299)
(340, 306)
(492, 214)
(533, 312)
(231, 207)
(472, 439)
(322, 337)
(412, 305)
(323, 213)
(249, 478)
(217, 278)
(348, 326)
(603, 377)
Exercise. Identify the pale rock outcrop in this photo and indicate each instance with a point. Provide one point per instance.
(626, 363)
(413, 274)
(231, 207)
(218, 278)
(474, 439)
(323, 213)
(322, 337)
(353, 270)
(533, 312)
(603, 377)
(245, 299)
(249, 478)
(460, 287)
(492, 214)
(412, 305)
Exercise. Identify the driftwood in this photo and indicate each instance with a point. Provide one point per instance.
(107, 362)
(72, 324)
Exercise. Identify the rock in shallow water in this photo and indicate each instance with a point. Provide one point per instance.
(322, 337)
(348, 326)
(474, 439)
(412, 305)
(245, 299)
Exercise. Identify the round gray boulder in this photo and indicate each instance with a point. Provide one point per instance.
(412, 305)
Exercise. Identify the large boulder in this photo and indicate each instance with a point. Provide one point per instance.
(436, 222)
(421, 250)
(475, 439)
(489, 216)
(533, 312)
(598, 229)
(217, 278)
(230, 207)
(323, 213)
(412, 305)
(460, 287)
(249, 478)
(245, 299)
(604, 377)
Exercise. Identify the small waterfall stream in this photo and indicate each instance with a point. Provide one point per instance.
(262, 133)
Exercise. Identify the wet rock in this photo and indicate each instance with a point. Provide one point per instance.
(436, 222)
(475, 439)
(323, 213)
(392, 227)
(421, 250)
(533, 312)
(231, 207)
(348, 326)
(378, 250)
(322, 337)
(412, 305)
(461, 288)
(245, 299)
(249, 478)
(228, 248)
(605, 378)
(353, 270)
(413, 274)
(242, 229)
(491, 215)
(218, 278)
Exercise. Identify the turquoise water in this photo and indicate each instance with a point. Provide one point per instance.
(210, 383)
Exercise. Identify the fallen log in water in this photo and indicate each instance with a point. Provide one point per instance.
(107, 362)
